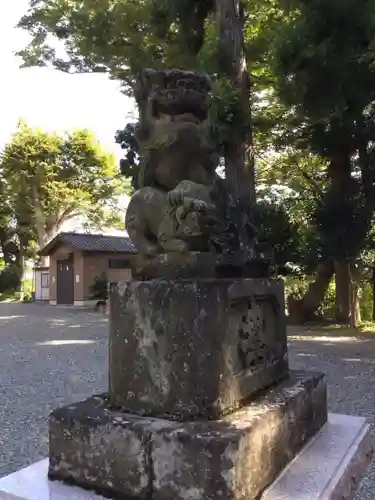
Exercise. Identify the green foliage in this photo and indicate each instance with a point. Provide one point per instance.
(313, 94)
(47, 179)
(122, 37)
(323, 72)
(10, 279)
(99, 288)
(129, 165)
(342, 222)
(324, 76)
(325, 46)
(187, 17)
(113, 36)
(294, 182)
(366, 300)
(277, 232)
(298, 286)
(229, 115)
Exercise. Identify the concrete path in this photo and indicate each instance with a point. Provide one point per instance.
(51, 356)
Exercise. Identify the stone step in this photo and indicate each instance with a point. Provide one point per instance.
(330, 466)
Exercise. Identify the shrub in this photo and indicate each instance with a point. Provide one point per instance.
(99, 288)
(10, 278)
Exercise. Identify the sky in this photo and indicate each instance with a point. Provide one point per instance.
(53, 100)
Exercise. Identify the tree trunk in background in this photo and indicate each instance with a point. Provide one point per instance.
(232, 59)
(356, 295)
(343, 292)
(373, 292)
(339, 173)
(353, 290)
(21, 266)
(305, 309)
(357, 305)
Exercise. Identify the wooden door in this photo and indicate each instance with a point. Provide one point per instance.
(65, 282)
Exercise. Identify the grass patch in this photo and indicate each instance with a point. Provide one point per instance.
(7, 297)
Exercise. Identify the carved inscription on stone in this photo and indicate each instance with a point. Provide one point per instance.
(257, 334)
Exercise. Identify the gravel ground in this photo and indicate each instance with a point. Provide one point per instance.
(52, 356)
(349, 363)
(49, 356)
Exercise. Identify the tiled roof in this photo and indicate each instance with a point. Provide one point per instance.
(91, 243)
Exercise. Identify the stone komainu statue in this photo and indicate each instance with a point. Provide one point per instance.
(182, 205)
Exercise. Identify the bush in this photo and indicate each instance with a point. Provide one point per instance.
(366, 302)
(297, 287)
(10, 279)
(99, 289)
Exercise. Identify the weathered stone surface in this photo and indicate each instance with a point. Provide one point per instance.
(237, 457)
(92, 446)
(196, 264)
(195, 348)
(175, 265)
(329, 467)
(234, 458)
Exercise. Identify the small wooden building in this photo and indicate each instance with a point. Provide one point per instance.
(76, 259)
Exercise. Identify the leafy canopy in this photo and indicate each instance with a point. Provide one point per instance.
(47, 179)
(113, 36)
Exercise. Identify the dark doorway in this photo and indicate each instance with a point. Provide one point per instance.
(65, 282)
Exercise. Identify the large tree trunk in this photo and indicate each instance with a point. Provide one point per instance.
(303, 310)
(356, 305)
(355, 295)
(366, 164)
(343, 291)
(40, 225)
(373, 291)
(339, 172)
(232, 59)
(20, 262)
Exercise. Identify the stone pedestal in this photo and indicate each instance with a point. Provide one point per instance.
(186, 349)
(329, 467)
(201, 404)
(235, 457)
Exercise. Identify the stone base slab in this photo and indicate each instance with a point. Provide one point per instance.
(234, 458)
(329, 467)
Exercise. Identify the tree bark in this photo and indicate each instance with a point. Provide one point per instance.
(356, 305)
(353, 295)
(232, 59)
(303, 310)
(343, 292)
(339, 173)
(366, 164)
(8, 247)
(373, 291)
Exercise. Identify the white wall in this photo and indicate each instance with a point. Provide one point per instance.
(41, 284)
